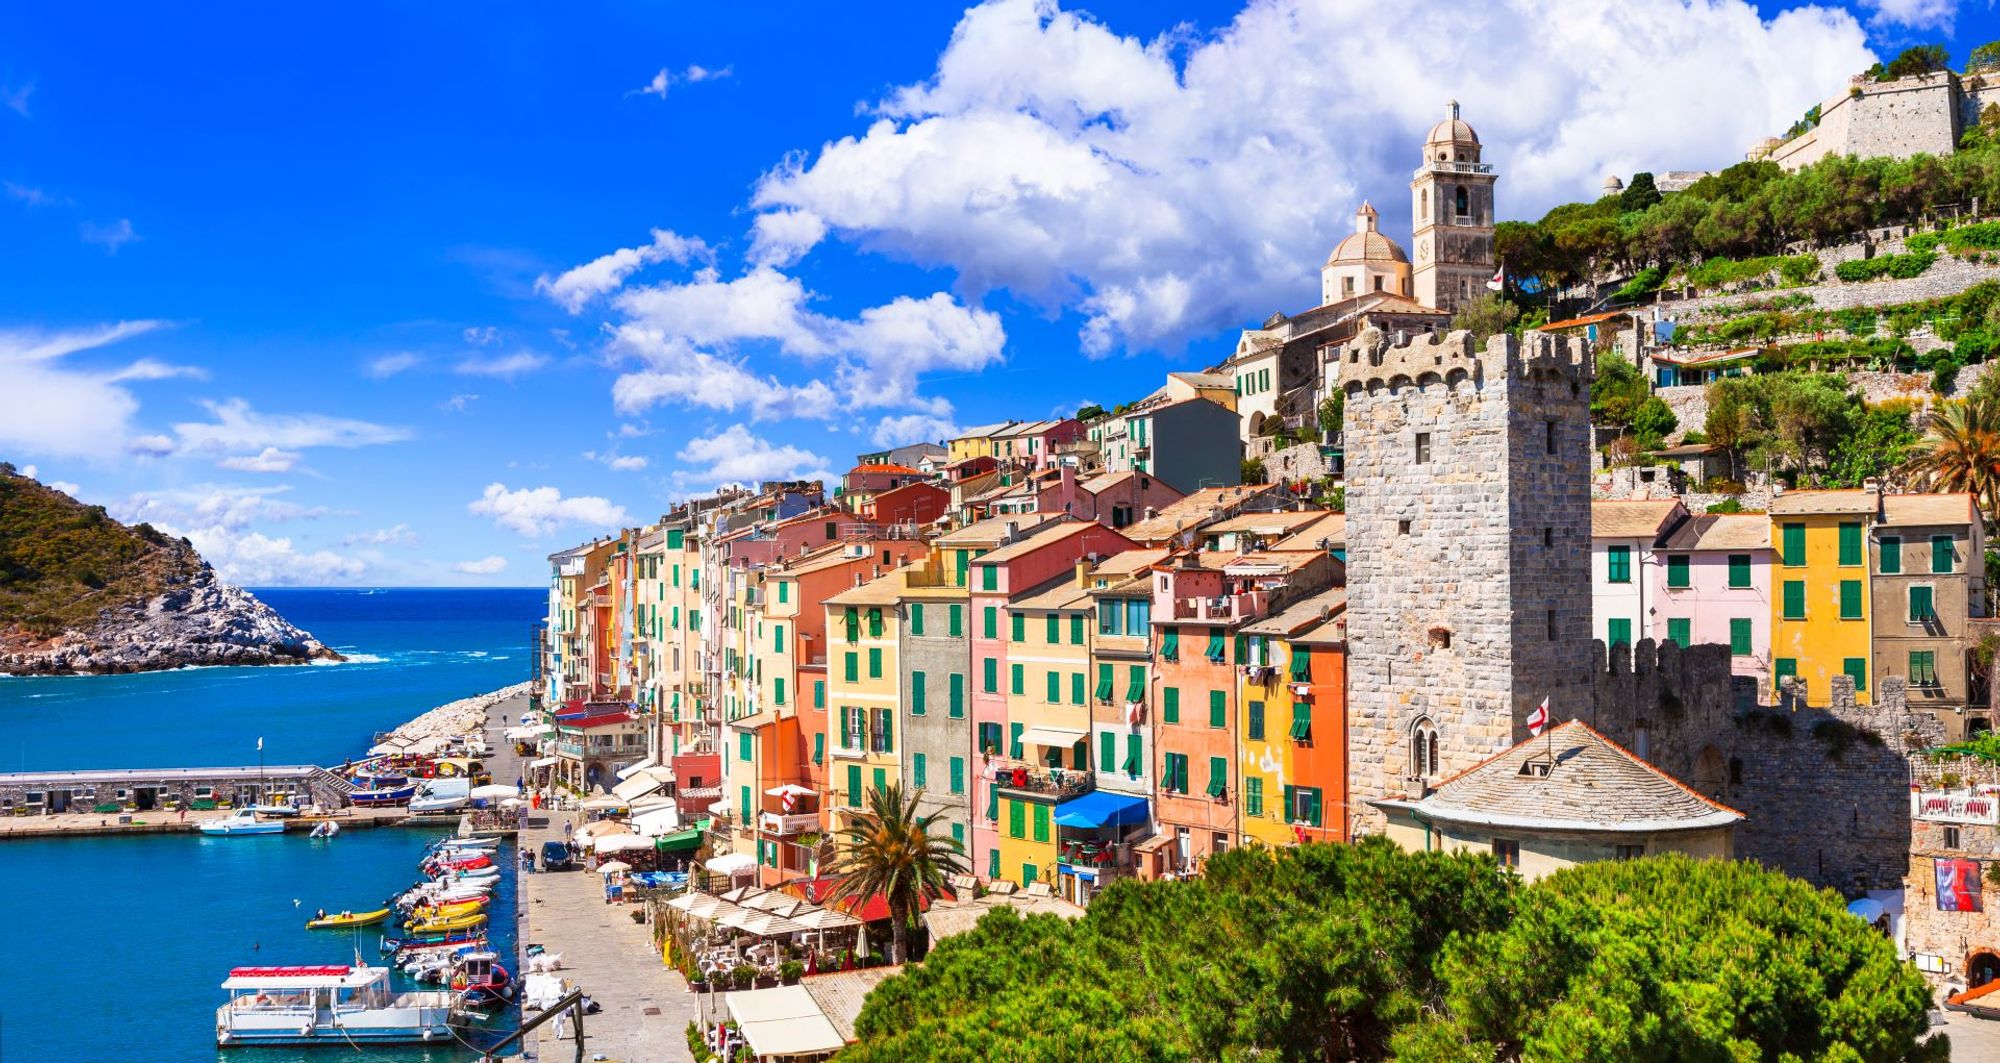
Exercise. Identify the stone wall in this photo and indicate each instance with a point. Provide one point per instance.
(1304, 461)
(1949, 276)
(1824, 791)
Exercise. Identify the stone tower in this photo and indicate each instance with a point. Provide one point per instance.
(1451, 204)
(1468, 538)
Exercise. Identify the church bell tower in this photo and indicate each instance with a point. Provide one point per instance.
(1451, 203)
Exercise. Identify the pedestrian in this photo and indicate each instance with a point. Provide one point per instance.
(568, 829)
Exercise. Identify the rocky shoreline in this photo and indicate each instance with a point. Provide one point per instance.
(462, 717)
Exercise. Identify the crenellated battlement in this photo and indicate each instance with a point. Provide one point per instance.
(1370, 364)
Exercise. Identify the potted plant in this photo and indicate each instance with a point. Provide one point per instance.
(743, 975)
(790, 971)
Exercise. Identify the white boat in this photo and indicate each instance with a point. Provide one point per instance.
(333, 1005)
(469, 843)
(326, 828)
(426, 801)
(275, 809)
(241, 821)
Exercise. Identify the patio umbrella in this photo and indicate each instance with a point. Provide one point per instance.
(491, 790)
(512, 802)
(614, 867)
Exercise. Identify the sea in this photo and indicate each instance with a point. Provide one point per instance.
(116, 947)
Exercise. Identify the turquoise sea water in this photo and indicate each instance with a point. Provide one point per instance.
(115, 947)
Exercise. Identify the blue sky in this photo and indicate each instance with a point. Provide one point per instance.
(414, 294)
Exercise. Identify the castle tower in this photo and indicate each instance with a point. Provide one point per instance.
(1468, 538)
(1364, 262)
(1451, 203)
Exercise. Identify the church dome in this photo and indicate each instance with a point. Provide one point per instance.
(1453, 130)
(1366, 244)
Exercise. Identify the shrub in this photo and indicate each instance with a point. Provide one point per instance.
(1793, 270)
(1645, 282)
(1901, 267)
(1974, 347)
(1727, 505)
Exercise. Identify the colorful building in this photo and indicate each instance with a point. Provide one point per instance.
(1292, 723)
(1820, 625)
(1625, 539)
(1929, 583)
(1713, 587)
(864, 691)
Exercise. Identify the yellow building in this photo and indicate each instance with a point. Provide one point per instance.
(976, 442)
(863, 690)
(1281, 754)
(1028, 837)
(1048, 664)
(1820, 625)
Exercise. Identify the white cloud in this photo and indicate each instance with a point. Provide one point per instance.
(389, 365)
(537, 511)
(485, 566)
(151, 446)
(482, 336)
(15, 98)
(49, 408)
(897, 342)
(626, 463)
(1172, 187)
(32, 472)
(458, 403)
(1914, 14)
(398, 535)
(253, 559)
(912, 428)
(736, 455)
(35, 197)
(782, 237)
(575, 288)
(223, 506)
(675, 371)
(148, 369)
(506, 366)
(239, 429)
(109, 235)
(270, 459)
(66, 487)
(666, 78)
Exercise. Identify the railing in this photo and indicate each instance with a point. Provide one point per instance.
(1027, 778)
(1223, 608)
(781, 823)
(1441, 166)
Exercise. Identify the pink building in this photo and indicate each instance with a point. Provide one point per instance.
(996, 579)
(1712, 585)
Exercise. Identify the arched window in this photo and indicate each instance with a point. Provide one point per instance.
(1424, 749)
(1642, 739)
(1424, 203)
(1462, 201)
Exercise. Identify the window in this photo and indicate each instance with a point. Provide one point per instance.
(1017, 679)
(1423, 447)
(819, 747)
(1107, 750)
(1892, 555)
(1739, 570)
(784, 592)
(1782, 669)
(851, 667)
(989, 623)
(1921, 611)
(1677, 631)
(957, 696)
(1618, 564)
(1942, 558)
(1017, 628)
(989, 578)
(1076, 688)
(1795, 599)
(1135, 755)
(992, 863)
(1028, 874)
(778, 636)
(854, 786)
(1850, 599)
(1424, 749)
(1014, 740)
(1170, 644)
(1302, 805)
(1507, 852)
(1461, 201)
(819, 693)
(1076, 627)
(875, 662)
(958, 835)
(1549, 437)
(852, 619)
(1850, 543)
(1302, 722)
(916, 617)
(1618, 631)
(956, 627)
(919, 769)
(1104, 682)
(1552, 625)
(1402, 527)
(1017, 819)
(746, 747)
(1856, 668)
(1631, 852)
(1218, 777)
(1170, 704)
(1923, 668)
(958, 775)
(1739, 636)
(1253, 795)
(1108, 618)
(1548, 537)
(1256, 721)
(990, 679)
(989, 738)
(1793, 542)
(1135, 683)
(1218, 709)
(1041, 822)
(1053, 687)
(1176, 774)
(1053, 631)
(778, 690)
(917, 683)
(874, 623)
(1951, 838)
(1677, 571)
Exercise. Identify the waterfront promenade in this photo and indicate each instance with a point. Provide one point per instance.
(646, 1004)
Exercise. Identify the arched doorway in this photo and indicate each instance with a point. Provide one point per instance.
(1981, 968)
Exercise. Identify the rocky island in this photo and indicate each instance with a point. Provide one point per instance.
(82, 593)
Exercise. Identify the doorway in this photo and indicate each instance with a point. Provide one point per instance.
(146, 797)
(1982, 968)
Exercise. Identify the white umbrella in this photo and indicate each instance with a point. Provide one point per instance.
(493, 790)
(613, 868)
(619, 843)
(731, 863)
(794, 789)
(601, 803)
(512, 802)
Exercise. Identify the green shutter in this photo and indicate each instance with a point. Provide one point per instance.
(1041, 822)
(990, 677)
(1104, 682)
(1218, 709)
(1302, 721)
(1795, 599)
(778, 636)
(993, 803)
(874, 662)
(1076, 688)
(784, 592)
(1618, 631)
(1018, 628)
(819, 747)
(1053, 629)
(1850, 599)
(956, 621)
(1170, 644)
(1921, 609)
(1782, 669)
(1942, 559)
(916, 693)
(1017, 679)
(1256, 730)
(1076, 629)
(852, 620)
(875, 623)
(1014, 740)
(1856, 668)
(1170, 710)
(916, 618)
(1739, 570)
(1618, 564)
(1028, 874)
(746, 747)
(778, 689)
(1107, 750)
(989, 622)
(880, 777)
(1217, 650)
(1242, 649)
(1135, 685)
(1312, 805)
(958, 775)
(1923, 668)
(1017, 818)
(957, 696)
(992, 855)
(1135, 748)
(1253, 795)
(1892, 555)
(1677, 570)
(1052, 682)
(1218, 776)
(919, 769)
(1793, 538)
(989, 578)
(1850, 543)
(1678, 631)
(743, 809)
(1301, 663)
(1739, 636)
(851, 667)
(819, 693)
(854, 786)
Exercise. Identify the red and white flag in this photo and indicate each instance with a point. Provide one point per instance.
(1499, 280)
(1539, 719)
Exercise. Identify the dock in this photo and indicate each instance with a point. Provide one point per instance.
(160, 821)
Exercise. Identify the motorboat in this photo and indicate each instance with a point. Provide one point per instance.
(380, 780)
(346, 919)
(467, 921)
(325, 828)
(332, 1005)
(462, 844)
(403, 949)
(384, 796)
(428, 800)
(241, 821)
(431, 894)
(480, 980)
(470, 874)
(431, 913)
(276, 808)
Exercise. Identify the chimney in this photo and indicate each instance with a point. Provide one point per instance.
(1083, 567)
(1012, 530)
(1152, 511)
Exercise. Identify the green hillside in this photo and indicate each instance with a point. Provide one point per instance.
(63, 562)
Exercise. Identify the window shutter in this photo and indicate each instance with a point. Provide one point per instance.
(1850, 543)
(1135, 686)
(1041, 822)
(874, 623)
(1218, 709)
(1104, 682)
(918, 769)
(957, 775)
(1017, 678)
(854, 786)
(1302, 721)
(1170, 644)
(852, 618)
(1793, 537)
(1170, 710)
(989, 622)
(1076, 627)
(846, 731)
(916, 617)
(1054, 629)
(1014, 740)
(916, 693)
(1242, 649)
(1216, 649)
(1618, 631)
(1052, 683)
(1856, 668)
(993, 805)
(1076, 688)
(957, 695)
(1256, 714)
(1920, 604)
(819, 747)
(1253, 795)
(956, 621)
(990, 680)
(1850, 599)
(1892, 555)
(1678, 631)
(1739, 636)
(1134, 750)
(1795, 599)
(1017, 817)
(1301, 664)
(1677, 570)
(1107, 750)
(1018, 628)
(1942, 560)
(1739, 570)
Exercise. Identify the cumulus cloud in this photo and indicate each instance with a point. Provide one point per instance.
(50, 407)
(389, 365)
(224, 506)
(66, 487)
(398, 535)
(1168, 188)
(506, 366)
(537, 511)
(575, 288)
(239, 429)
(895, 343)
(270, 459)
(1913, 14)
(485, 566)
(912, 428)
(737, 455)
(254, 559)
(615, 461)
(110, 235)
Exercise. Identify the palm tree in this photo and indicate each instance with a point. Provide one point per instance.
(888, 849)
(1961, 451)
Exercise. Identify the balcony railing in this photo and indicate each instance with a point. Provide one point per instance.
(795, 823)
(1442, 166)
(1029, 778)
(1223, 608)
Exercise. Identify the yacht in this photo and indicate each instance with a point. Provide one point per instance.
(332, 1005)
(242, 821)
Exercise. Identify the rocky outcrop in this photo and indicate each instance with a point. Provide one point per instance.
(203, 621)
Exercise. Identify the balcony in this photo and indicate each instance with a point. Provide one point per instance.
(781, 824)
(1060, 783)
(1226, 608)
(1441, 166)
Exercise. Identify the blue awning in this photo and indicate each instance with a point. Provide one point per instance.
(1101, 808)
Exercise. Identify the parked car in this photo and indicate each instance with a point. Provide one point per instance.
(556, 856)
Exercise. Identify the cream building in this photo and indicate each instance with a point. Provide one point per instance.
(1364, 262)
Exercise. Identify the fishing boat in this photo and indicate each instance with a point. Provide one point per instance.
(331, 1004)
(383, 797)
(480, 980)
(241, 821)
(346, 919)
(380, 780)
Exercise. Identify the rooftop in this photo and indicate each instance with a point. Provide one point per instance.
(886, 589)
(1721, 531)
(1330, 528)
(1049, 534)
(1800, 503)
(1644, 519)
(1194, 510)
(1928, 509)
(1303, 615)
(1284, 522)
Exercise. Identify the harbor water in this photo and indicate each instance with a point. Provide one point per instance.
(117, 946)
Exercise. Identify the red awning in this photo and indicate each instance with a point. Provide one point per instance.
(874, 909)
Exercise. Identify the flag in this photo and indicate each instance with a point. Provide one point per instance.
(1499, 280)
(260, 743)
(1539, 718)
